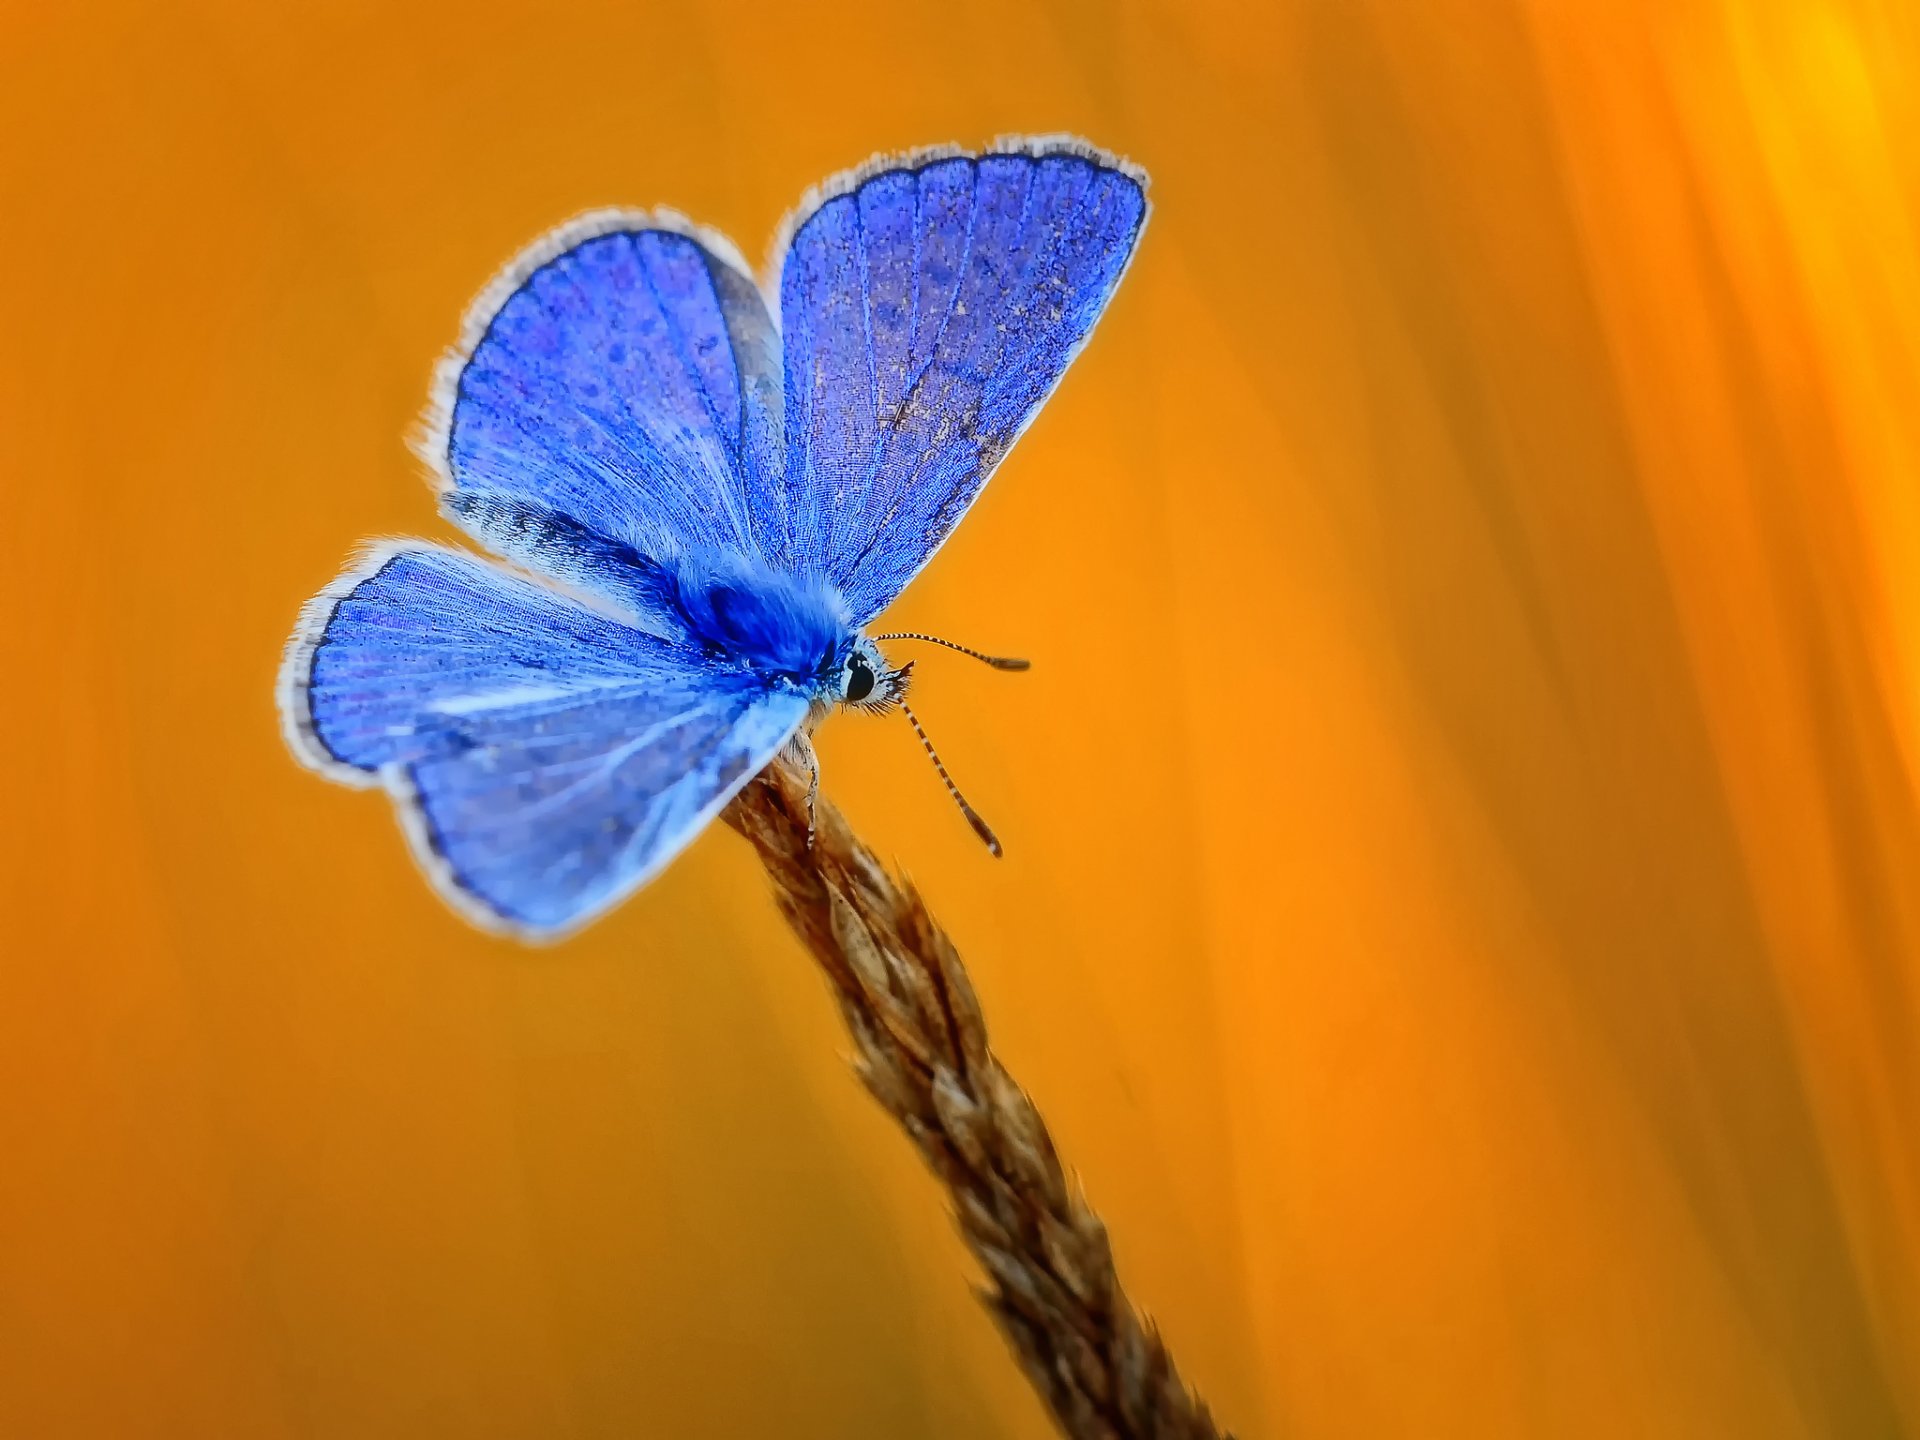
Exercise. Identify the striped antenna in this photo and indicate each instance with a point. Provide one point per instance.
(999, 662)
(980, 827)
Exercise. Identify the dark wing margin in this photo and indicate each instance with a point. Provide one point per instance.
(929, 305)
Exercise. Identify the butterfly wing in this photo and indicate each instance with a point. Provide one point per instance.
(929, 307)
(548, 759)
(617, 386)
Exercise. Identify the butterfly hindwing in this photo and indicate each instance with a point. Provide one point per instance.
(928, 309)
(622, 375)
(548, 759)
(560, 813)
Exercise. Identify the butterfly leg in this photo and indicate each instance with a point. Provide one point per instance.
(801, 750)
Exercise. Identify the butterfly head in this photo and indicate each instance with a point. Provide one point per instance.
(866, 682)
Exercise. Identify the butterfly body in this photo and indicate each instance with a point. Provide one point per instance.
(707, 508)
(793, 632)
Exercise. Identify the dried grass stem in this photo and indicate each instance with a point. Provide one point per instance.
(921, 1049)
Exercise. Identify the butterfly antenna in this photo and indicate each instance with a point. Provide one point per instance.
(980, 826)
(999, 662)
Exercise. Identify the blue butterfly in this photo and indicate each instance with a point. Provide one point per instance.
(706, 507)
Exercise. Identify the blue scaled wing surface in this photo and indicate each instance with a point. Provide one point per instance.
(624, 416)
(548, 758)
(616, 393)
(928, 308)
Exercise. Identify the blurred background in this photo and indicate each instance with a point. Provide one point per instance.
(1460, 912)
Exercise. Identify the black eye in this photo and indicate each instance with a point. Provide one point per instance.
(859, 679)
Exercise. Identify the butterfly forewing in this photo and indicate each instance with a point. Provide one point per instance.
(928, 310)
(624, 379)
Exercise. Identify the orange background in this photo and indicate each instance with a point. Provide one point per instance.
(1460, 909)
